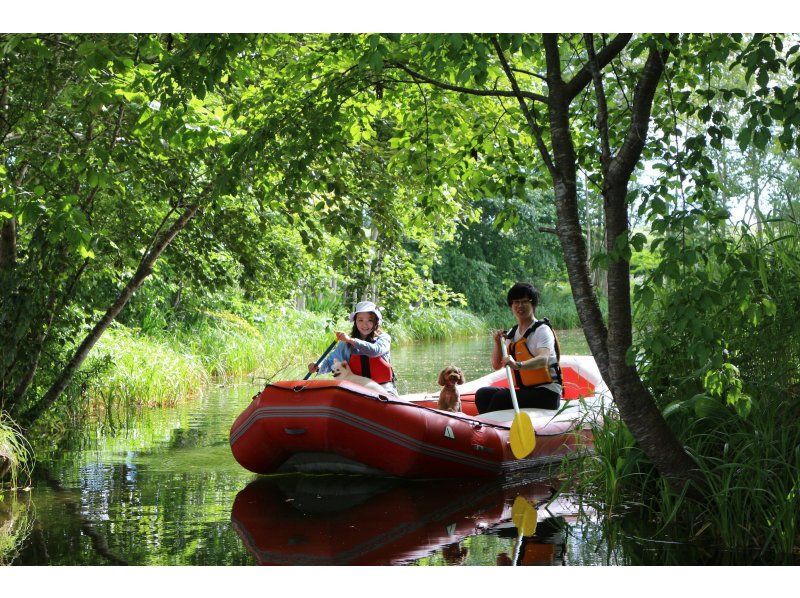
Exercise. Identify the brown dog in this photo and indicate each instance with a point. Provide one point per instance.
(449, 399)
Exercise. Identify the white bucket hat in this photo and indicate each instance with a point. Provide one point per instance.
(365, 307)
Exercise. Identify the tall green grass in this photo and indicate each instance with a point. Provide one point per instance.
(137, 370)
(435, 323)
(16, 458)
(271, 345)
(129, 369)
(751, 469)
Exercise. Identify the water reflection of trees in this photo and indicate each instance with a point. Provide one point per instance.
(16, 524)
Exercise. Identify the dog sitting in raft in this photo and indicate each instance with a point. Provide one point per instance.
(341, 371)
(449, 398)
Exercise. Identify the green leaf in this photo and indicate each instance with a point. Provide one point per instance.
(355, 132)
(456, 40)
(647, 296)
(743, 138)
(657, 206)
(85, 252)
(763, 77)
(376, 61)
(761, 137)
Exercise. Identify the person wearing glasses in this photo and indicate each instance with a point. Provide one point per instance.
(533, 355)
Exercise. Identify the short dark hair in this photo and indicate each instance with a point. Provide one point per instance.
(523, 290)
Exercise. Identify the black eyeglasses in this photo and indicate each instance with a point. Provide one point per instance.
(520, 302)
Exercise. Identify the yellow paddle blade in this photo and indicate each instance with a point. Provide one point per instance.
(522, 436)
(524, 516)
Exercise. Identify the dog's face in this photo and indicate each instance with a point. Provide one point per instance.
(340, 369)
(450, 376)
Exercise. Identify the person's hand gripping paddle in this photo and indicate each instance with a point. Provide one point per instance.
(522, 436)
(321, 357)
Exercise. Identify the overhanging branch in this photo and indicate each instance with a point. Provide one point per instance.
(629, 153)
(602, 106)
(535, 128)
(583, 77)
(497, 93)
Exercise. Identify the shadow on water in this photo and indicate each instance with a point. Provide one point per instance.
(634, 540)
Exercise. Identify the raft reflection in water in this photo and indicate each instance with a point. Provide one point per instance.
(352, 520)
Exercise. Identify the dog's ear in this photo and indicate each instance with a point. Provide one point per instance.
(441, 377)
(461, 379)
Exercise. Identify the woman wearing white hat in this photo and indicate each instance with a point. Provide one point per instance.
(365, 349)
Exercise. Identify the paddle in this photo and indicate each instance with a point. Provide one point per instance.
(321, 357)
(525, 518)
(522, 436)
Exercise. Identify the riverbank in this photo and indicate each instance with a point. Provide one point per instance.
(15, 455)
(130, 369)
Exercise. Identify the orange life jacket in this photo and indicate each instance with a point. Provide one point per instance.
(520, 352)
(377, 368)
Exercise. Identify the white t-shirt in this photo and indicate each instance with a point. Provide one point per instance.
(542, 337)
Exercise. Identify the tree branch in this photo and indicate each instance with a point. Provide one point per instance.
(602, 106)
(39, 342)
(8, 234)
(606, 55)
(537, 131)
(524, 72)
(629, 153)
(497, 93)
(620, 84)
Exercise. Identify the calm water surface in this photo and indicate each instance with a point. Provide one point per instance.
(166, 491)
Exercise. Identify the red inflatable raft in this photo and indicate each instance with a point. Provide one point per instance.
(327, 426)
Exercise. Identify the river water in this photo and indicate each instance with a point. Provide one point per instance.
(165, 490)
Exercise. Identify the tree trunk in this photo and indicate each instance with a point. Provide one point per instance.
(8, 238)
(143, 271)
(568, 225)
(636, 405)
(610, 345)
(8, 245)
(39, 341)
